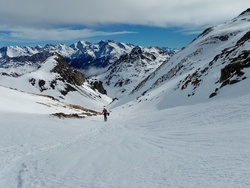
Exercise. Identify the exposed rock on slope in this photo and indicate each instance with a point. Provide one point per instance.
(68, 74)
(97, 85)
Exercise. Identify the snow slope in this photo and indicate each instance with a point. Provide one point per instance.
(15, 102)
(204, 145)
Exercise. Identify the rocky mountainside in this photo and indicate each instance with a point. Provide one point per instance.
(128, 71)
(215, 64)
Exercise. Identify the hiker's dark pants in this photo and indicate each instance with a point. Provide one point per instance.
(105, 117)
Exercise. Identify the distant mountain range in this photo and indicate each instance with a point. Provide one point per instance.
(81, 55)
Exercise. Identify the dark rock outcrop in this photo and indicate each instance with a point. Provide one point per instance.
(98, 86)
(235, 68)
(67, 74)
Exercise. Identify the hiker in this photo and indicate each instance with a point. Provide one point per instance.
(105, 113)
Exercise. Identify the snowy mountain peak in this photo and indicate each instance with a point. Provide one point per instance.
(79, 45)
(98, 55)
(15, 51)
(105, 42)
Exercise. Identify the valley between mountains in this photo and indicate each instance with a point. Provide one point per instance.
(178, 118)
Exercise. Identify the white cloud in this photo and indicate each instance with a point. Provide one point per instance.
(93, 71)
(61, 34)
(50, 19)
(94, 12)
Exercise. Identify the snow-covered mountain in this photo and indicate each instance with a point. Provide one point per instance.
(100, 55)
(55, 78)
(215, 64)
(131, 68)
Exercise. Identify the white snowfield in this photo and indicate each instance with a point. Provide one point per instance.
(197, 146)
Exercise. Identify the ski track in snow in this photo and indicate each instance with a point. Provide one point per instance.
(204, 145)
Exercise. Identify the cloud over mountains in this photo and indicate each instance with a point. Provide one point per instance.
(63, 19)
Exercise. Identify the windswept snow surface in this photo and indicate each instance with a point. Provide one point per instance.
(203, 145)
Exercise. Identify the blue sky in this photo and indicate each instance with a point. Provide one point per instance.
(135, 34)
(149, 36)
(163, 23)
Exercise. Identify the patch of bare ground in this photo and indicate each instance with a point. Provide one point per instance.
(63, 115)
(83, 112)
